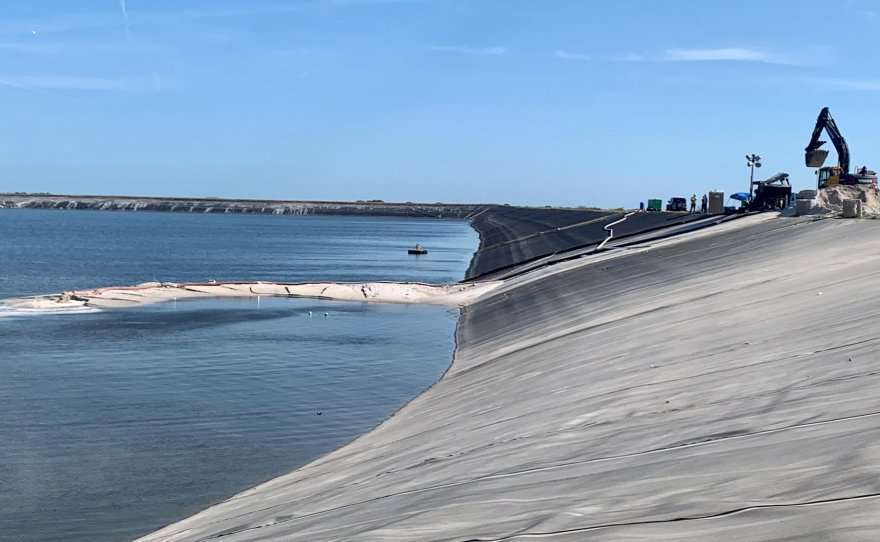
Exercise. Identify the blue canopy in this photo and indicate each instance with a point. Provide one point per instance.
(740, 196)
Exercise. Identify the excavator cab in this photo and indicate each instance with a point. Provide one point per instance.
(828, 176)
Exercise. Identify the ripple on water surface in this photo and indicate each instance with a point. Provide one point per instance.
(117, 422)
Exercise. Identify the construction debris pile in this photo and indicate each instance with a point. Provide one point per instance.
(832, 198)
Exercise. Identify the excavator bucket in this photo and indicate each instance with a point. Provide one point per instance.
(816, 158)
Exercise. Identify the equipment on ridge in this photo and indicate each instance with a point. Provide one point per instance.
(814, 156)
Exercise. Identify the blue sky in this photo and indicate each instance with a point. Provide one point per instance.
(528, 101)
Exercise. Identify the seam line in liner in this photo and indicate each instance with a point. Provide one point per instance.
(863, 496)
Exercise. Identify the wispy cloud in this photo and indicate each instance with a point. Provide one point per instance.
(709, 55)
(723, 54)
(124, 9)
(871, 85)
(29, 48)
(856, 8)
(629, 57)
(61, 82)
(72, 22)
(461, 50)
(568, 55)
(72, 48)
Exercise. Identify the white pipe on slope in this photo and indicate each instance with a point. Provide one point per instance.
(610, 231)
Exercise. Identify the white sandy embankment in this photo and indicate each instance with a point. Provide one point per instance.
(831, 199)
(155, 292)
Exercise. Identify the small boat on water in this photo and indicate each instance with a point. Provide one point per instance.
(419, 250)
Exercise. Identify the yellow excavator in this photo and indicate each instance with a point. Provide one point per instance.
(814, 156)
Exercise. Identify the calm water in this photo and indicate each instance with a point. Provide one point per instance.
(49, 251)
(116, 423)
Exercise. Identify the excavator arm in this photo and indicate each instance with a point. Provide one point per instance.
(814, 156)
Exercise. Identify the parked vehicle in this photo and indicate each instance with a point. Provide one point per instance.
(677, 204)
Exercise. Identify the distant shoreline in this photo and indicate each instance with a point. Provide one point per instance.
(22, 200)
(238, 206)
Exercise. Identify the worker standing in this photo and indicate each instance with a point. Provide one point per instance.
(693, 203)
(704, 208)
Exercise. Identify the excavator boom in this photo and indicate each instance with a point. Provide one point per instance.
(814, 156)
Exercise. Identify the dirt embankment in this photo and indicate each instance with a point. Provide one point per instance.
(832, 198)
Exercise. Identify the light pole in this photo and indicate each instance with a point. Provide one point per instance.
(752, 161)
